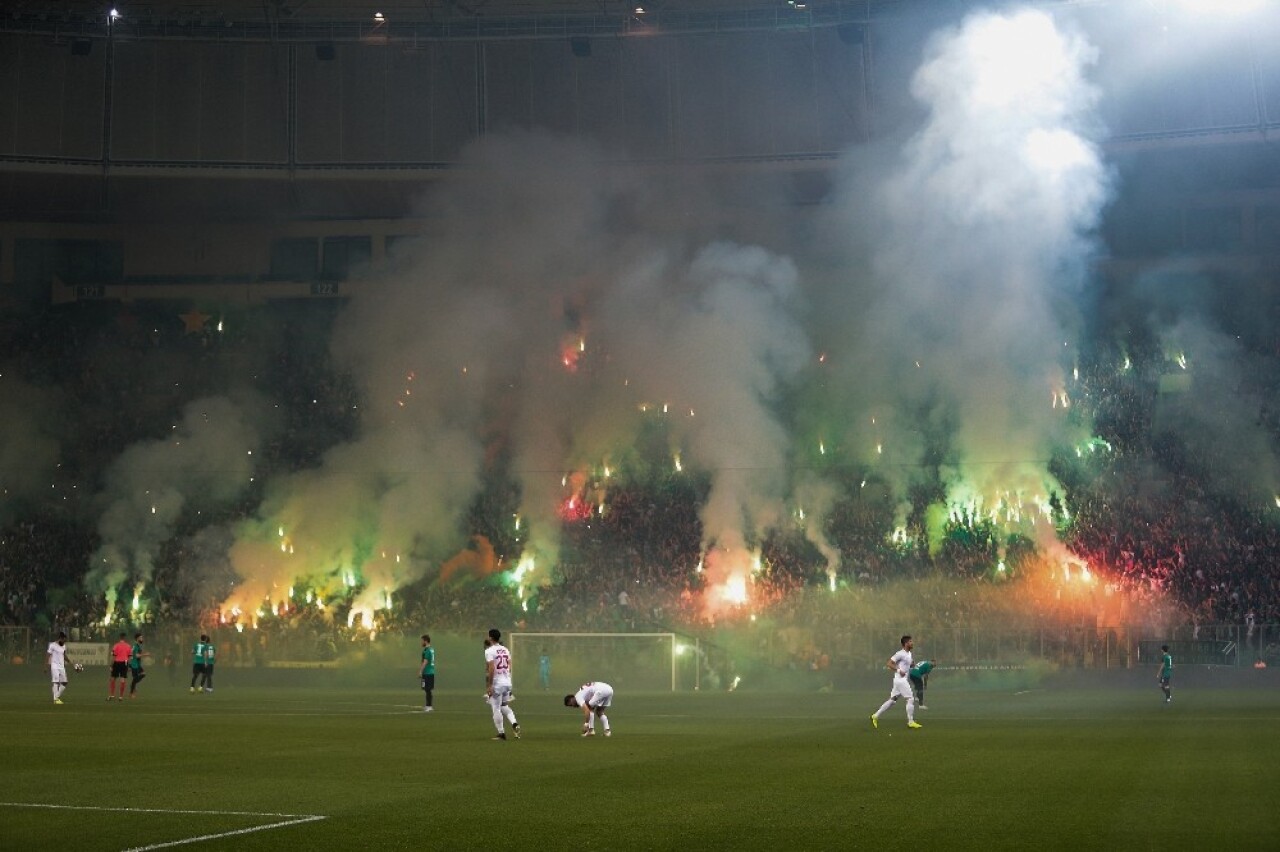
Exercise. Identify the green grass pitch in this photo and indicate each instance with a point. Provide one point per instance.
(344, 768)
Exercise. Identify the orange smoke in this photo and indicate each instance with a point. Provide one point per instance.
(478, 561)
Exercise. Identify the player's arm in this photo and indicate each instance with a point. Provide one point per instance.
(892, 665)
(489, 667)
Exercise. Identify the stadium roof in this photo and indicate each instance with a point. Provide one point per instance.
(339, 19)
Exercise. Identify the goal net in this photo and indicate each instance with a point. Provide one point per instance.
(561, 662)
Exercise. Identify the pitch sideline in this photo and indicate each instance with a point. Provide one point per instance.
(290, 819)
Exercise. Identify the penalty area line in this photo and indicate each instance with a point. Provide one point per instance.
(289, 819)
(219, 835)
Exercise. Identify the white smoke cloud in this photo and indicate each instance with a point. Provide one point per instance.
(205, 463)
(977, 230)
(559, 303)
(715, 344)
(554, 298)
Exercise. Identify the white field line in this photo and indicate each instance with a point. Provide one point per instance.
(203, 837)
(290, 819)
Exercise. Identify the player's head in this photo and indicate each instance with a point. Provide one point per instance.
(204, 637)
(137, 637)
(62, 638)
(1164, 648)
(570, 701)
(122, 635)
(495, 634)
(906, 642)
(426, 639)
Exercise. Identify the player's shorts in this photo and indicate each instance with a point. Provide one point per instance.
(58, 674)
(120, 668)
(1164, 680)
(501, 694)
(602, 699)
(197, 669)
(901, 687)
(429, 682)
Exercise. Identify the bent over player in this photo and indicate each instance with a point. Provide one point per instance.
(594, 698)
(919, 677)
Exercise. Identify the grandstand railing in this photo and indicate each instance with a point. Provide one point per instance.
(15, 644)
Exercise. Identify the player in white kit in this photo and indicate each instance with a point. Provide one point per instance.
(900, 665)
(56, 663)
(594, 698)
(497, 685)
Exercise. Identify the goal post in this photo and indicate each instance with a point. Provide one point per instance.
(636, 661)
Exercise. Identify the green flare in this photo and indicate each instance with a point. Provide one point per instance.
(936, 518)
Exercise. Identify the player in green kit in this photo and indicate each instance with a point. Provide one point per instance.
(135, 664)
(197, 661)
(1166, 673)
(206, 680)
(427, 671)
(919, 677)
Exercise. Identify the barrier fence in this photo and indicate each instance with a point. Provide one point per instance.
(1084, 647)
(859, 647)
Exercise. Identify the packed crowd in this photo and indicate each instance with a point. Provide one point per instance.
(1137, 512)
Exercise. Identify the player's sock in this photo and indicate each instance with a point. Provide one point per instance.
(509, 715)
(883, 707)
(911, 709)
(604, 720)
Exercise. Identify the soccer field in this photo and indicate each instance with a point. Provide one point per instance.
(326, 768)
